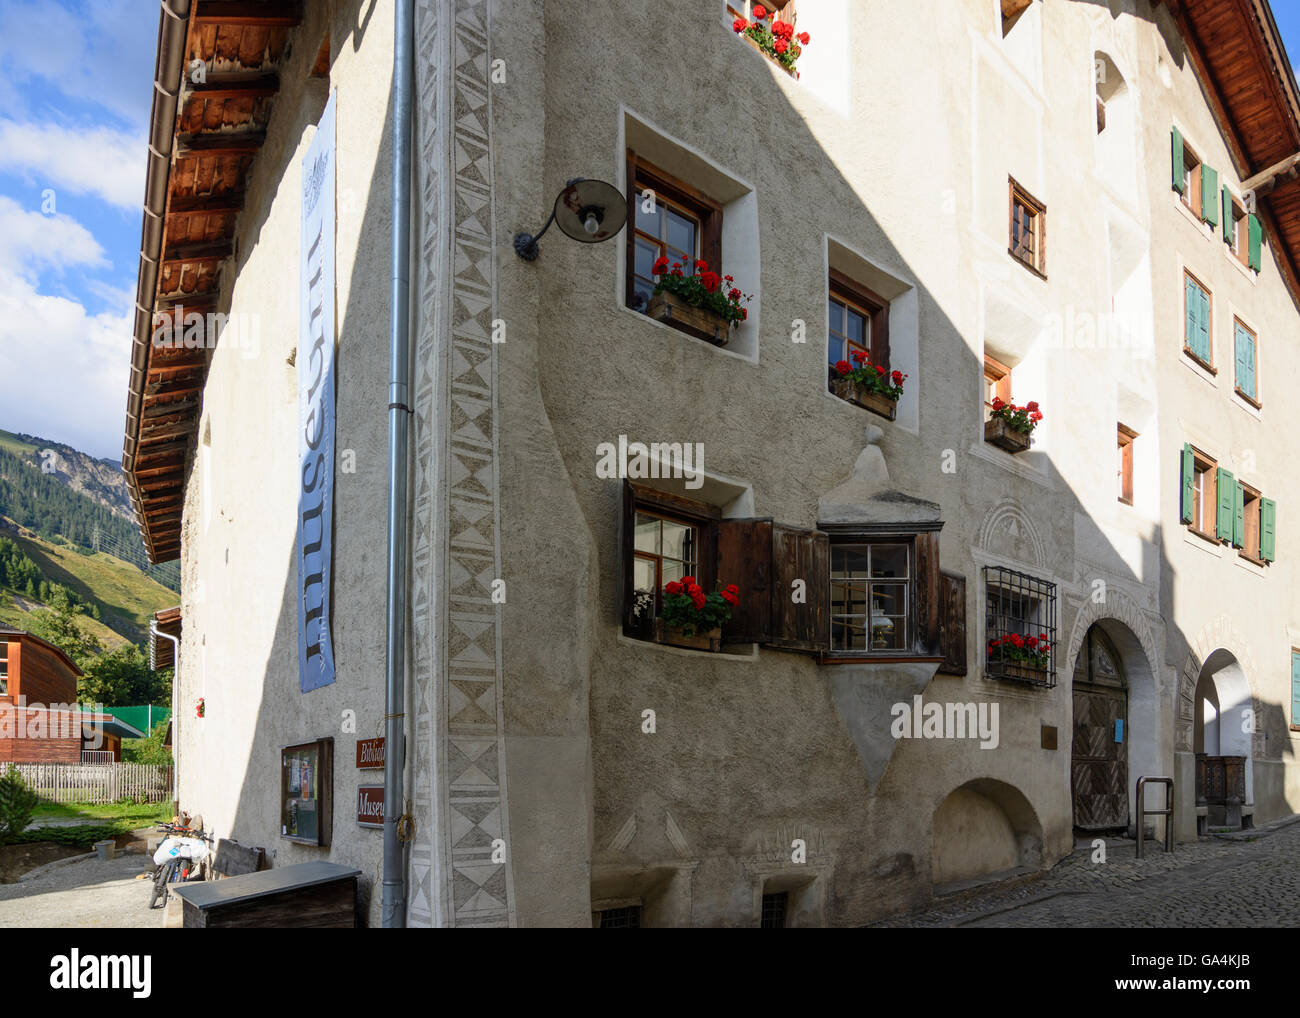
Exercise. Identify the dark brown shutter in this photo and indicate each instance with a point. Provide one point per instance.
(745, 559)
(630, 228)
(711, 240)
(880, 337)
(952, 623)
(800, 555)
(628, 537)
(926, 637)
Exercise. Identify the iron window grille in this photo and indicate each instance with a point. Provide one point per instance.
(628, 918)
(1019, 620)
(774, 906)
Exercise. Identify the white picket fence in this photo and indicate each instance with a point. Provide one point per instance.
(98, 782)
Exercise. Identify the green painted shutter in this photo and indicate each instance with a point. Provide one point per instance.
(1295, 688)
(1267, 529)
(1245, 361)
(1228, 223)
(1191, 316)
(1209, 195)
(1238, 516)
(1177, 155)
(1197, 324)
(1189, 480)
(1250, 366)
(1256, 231)
(1225, 483)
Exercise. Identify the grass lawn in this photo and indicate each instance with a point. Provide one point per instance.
(140, 816)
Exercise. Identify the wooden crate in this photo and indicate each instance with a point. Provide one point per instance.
(698, 322)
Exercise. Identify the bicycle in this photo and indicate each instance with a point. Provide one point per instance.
(182, 851)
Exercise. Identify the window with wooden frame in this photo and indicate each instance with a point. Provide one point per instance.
(1245, 358)
(4, 667)
(1201, 498)
(789, 584)
(669, 218)
(871, 595)
(858, 322)
(1028, 229)
(1246, 529)
(1236, 228)
(1198, 318)
(1187, 176)
(1125, 437)
(997, 384)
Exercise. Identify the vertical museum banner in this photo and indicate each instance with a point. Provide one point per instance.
(316, 409)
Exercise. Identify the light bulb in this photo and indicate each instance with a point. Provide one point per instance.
(591, 224)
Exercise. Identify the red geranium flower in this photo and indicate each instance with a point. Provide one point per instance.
(688, 581)
(1031, 405)
(711, 280)
(699, 603)
(1035, 417)
(997, 403)
(744, 313)
(739, 25)
(660, 265)
(897, 376)
(734, 294)
(760, 13)
(729, 279)
(804, 38)
(880, 369)
(843, 367)
(781, 45)
(732, 588)
(859, 356)
(672, 588)
(701, 265)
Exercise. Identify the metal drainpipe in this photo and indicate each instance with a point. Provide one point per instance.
(176, 728)
(399, 424)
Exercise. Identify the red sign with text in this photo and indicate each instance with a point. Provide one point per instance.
(370, 805)
(370, 753)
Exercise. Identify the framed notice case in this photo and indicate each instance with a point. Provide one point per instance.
(307, 792)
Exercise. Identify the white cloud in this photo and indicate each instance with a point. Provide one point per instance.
(73, 365)
(99, 161)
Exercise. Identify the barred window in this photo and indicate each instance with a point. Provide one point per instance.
(774, 909)
(1020, 627)
(628, 918)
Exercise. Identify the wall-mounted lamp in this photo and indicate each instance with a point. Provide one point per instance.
(589, 211)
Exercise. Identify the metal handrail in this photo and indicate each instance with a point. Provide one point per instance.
(1143, 813)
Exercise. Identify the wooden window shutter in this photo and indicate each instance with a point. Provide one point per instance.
(926, 595)
(1229, 223)
(800, 555)
(1189, 481)
(1267, 529)
(745, 559)
(1209, 195)
(1295, 688)
(1238, 516)
(1224, 484)
(711, 241)
(629, 574)
(1249, 388)
(629, 285)
(1256, 233)
(952, 623)
(1177, 156)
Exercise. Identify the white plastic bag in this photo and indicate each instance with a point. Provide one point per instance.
(181, 848)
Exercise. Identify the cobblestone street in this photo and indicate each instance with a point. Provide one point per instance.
(1249, 881)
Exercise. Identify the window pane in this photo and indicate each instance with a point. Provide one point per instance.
(849, 560)
(889, 560)
(681, 233)
(888, 599)
(835, 350)
(647, 533)
(645, 257)
(887, 633)
(678, 541)
(857, 328)
(651, 222)
(674, 570)
(644, 575)
(641, 293)
(835, 315)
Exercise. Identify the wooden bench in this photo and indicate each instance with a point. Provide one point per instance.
(311, 894)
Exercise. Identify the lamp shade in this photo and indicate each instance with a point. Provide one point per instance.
(590, 211)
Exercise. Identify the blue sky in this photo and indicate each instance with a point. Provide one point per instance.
(76, 77)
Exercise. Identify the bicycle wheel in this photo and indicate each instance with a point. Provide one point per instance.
(161, 879)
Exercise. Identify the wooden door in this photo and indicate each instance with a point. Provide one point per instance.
(1099, 758)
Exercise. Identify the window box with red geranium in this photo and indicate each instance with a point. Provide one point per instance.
(774, 38)
(691, 618)
(703, 304)
(867, 385)
(1009, 426)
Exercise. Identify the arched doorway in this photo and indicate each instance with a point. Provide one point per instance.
(1098, 754)
(982, 828)
(1225, 723)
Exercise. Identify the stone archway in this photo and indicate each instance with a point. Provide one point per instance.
(983, 827)
(1223, 739)
(1099, 743)
(1125, 627)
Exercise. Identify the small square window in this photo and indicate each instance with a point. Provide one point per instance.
(628, 918)
(1205, 495)
(871, 594)
(1191, 193)
(774, 910)
(1028, 243)
(1250, 503)
(997, 384)
(1236, 231)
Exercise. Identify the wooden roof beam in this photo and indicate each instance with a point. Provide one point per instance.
(210, 252)
(1281, 172)
(185, 206)
(271, 14)
(234, 85)
(219, 143)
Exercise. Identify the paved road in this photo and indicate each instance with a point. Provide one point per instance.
(1239, 883)
(84, 894)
